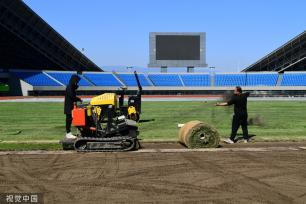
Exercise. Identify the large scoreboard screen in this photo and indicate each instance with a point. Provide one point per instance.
(177, 47)
(177, 50)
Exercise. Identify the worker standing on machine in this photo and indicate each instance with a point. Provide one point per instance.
(239, 100)
(70, 99)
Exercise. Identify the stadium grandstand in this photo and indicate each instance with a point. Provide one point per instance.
(260, 83)
(289, 57)
(28, 42)
(36, 60)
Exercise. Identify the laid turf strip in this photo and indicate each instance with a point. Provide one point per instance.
(279, 120)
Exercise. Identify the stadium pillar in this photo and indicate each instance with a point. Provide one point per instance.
(163, 69)
(190, 69)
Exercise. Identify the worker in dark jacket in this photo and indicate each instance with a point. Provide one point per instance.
(240, 118)
(70, 98)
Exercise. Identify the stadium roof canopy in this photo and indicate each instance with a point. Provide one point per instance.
(289, 57)
(28, 42)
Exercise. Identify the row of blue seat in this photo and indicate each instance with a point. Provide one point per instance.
(130, 80)
(36, 78)
(294, 80)
(65, 77)
(246, 79)
(109, 79)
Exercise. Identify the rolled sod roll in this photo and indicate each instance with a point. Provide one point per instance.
(197, 134)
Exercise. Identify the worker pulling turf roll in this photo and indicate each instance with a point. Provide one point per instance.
(197, 134)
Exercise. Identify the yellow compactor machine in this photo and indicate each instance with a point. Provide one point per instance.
(106, 124)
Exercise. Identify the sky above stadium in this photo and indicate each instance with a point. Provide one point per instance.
(115, 33)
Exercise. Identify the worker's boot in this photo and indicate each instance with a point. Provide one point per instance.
(228, 141)
(70, 136)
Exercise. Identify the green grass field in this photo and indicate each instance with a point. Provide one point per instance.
(279, 120)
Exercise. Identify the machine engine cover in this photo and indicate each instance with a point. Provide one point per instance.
(104, 99)
(79, 117)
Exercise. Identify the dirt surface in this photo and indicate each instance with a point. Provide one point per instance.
(239, 144)
(240, 176)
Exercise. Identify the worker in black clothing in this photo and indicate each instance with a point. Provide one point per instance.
(70, 98)
(239, 100)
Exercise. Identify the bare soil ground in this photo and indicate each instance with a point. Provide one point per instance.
(232, 176)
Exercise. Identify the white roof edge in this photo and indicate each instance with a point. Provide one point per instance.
(295, 72)
(54, 71)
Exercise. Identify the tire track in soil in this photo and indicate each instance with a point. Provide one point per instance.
(159, 171)
(216, 173)
(150, 171)
(129, 183)
(130, 177)
(168, 170)
(255, 183)
(16, 171)
(21, 170)
(263, 187)
(164, 170)
(279, 171)
(24, 172)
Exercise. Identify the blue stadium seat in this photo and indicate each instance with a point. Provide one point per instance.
(262, 79)
(294, 79)
(165, 79)
(65, 77)
(36, 78)
(102, 79)
(196, 79)
(130, 80)
(230, 80)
